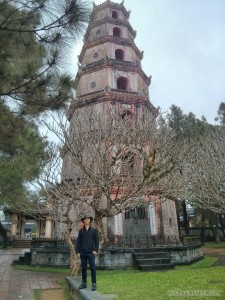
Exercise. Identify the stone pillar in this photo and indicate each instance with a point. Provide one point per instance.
(169, 218)
(37, 228)
(152, 218)
(14, 224)
(48, 227)
(22, 228)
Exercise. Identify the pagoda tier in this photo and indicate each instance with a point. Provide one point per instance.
(119, 41)
(112, 96)
(126, 66)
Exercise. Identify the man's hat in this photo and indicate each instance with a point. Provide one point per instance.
(85, 217)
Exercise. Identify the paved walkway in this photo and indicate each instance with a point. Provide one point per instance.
(17, 284)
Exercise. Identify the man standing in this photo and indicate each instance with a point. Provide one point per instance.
(87, 248)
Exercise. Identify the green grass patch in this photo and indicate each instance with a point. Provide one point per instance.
(113, 272)
(62, 283)
(159, 285)
(42, 269)
(214, 245)
(205, 262)
(37, 294)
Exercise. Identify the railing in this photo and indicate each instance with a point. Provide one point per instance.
(124, 242)
(191, 240)
(49, 243)
(144, 241)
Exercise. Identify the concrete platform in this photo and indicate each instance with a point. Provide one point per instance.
(85, 294)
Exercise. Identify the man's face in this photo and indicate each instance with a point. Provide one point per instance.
(87, 221)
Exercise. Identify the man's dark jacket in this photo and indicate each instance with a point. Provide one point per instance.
(87, 240)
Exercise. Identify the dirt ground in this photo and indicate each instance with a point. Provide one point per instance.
(53, 294)
(218, 252)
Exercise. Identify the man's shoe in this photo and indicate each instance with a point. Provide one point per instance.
(83, 285)
(93, 287)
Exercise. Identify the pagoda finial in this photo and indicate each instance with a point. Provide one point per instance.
(122, 2)
(93, 3)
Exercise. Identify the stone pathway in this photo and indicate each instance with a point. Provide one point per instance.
(17, 284)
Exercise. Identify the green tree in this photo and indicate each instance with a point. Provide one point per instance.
(221, 114)
(188, 126)
(22, 155)
(35, 36)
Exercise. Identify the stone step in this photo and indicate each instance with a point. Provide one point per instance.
(152, 255)
(153, 261)
(156, 267)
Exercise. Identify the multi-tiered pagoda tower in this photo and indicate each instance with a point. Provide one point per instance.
(110, 76)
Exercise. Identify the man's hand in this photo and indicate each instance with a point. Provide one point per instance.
(78, 255)
(95, 253)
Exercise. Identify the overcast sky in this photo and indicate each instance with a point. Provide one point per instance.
(184, 51)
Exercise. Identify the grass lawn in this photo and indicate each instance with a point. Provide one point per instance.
(161, 285)
(42, 269)
(206, 262)
(214, 245)
(132, 284)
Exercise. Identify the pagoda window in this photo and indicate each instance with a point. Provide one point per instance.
(122, 83)
(119, 54)
(116, 32)
(115, 14)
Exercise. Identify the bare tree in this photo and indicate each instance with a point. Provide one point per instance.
(119, 164)
(205, 171)
(107, 165)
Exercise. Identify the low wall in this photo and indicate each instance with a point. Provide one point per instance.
(114, 258)
(122, 259)
(50, 257)
(186, 254)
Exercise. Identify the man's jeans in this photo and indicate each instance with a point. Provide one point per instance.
(84, 257)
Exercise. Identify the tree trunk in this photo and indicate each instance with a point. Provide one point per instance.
(202, 228)
(101, 235)
(178, 217)
(215, 231)
(4, 235)
(75, 267)
(222, 224)
(185, 218)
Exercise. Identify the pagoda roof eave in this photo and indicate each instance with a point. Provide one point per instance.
(111, 21)
(110, 95)
(113, 63)
(112, 5)
(112, 39)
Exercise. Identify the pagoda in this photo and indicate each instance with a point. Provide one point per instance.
(110, 76)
